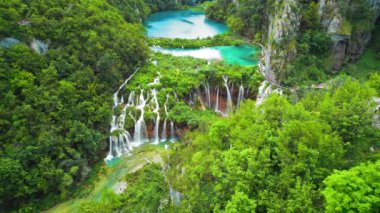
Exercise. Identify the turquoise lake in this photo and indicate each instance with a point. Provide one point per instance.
(234, 55)
(188, 24)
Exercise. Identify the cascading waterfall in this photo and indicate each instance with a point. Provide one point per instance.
(191, 101)
(208, 95)
(264, 90)
(156, 137)
(120, 139)
(241, 95)
(131, 99)
(217, 100)
(141, 134)
(163, 135)
(229, 100)
(232, 90)
(172, 135)
(115, 98)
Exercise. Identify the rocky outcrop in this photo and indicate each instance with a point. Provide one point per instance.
(348, 39)
(348, 44)
(281, 44)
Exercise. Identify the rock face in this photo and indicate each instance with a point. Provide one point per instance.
(347, 45)
(281, 46)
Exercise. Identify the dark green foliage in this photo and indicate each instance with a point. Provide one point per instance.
(218, 40)
(55, 108)
(132, 11)
(250, 18)
(161, 5)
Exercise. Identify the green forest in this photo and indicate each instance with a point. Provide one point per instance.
(98, 115)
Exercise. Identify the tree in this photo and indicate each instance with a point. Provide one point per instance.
(353, 190)
(236, 24)
(240, 203)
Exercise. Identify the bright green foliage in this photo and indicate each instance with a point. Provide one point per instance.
(147, 190)
(274, 157)
(108, 203)
(374, 82)
(184, 75)
(354, 190)
(348, 110)
(240, 203)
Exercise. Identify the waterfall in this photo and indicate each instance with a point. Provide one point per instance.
(120, 139)
(172, 136)
(208, 95)
(115, 98)
(163, 135)
(264, 91)
(241, 95)
(131, 99)
(229, 100)
(191, 102)
(155, 81)
(141, 134)
(39, 46)
(156, 137)
(217, 100)
(175, 196)
(232, 90)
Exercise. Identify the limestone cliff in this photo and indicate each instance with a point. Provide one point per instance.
(281, 41)
(348, 41)
(349, 36)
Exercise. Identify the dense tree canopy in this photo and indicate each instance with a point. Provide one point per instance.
(55, 106)
(356, 189)
(275, 157)
(307, 150)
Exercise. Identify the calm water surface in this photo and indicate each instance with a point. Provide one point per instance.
(189, 24)
(186, 24)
